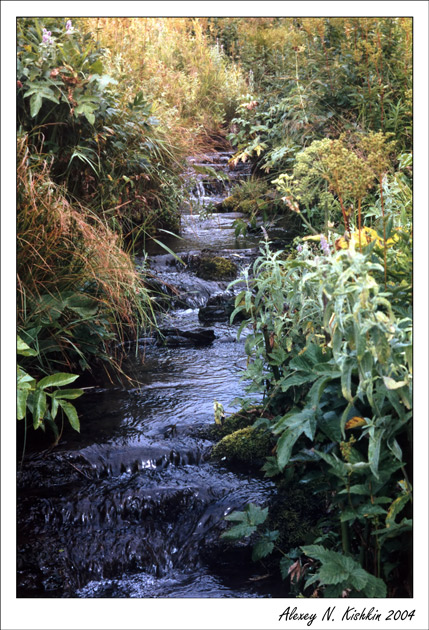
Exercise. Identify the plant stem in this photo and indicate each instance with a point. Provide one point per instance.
(384, 231)
(345, 538)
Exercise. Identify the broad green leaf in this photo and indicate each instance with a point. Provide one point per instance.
(25, 379)
(24, 349)
(375, 587)
(296, 379)
(285, 446)
(83, 305)
(71, 414)
(262, 549)
(329, 423)
(357, 489)
(68, 394)
(255, 514)
(336, 570)
(21, 403)
(35, 104)
(244, 530)
(359, 578)
(54, 409)
(57, 380)
(236, 516)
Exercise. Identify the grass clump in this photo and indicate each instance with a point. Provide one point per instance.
(78, 290)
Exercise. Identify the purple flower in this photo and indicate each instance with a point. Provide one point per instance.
(46, 38)
(324, 246)
(68, 25)
(299, 248)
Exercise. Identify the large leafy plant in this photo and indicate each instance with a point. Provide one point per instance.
(334, 359)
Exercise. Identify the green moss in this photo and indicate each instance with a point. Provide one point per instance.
(216, 268)
(245, 446)
(229, 203)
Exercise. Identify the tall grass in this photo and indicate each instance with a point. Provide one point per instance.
(78, 290)
(180, 68)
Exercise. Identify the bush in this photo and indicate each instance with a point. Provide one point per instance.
(331, 348)
(108, 152)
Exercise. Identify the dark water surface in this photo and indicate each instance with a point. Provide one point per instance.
(132, 507)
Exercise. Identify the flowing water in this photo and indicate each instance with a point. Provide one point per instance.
(133, 506)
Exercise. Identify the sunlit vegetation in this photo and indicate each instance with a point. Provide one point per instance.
(108, 109)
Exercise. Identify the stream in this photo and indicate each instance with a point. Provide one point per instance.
(132, 507)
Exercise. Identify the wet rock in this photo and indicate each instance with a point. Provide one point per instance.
(174, 337)
(218, 308)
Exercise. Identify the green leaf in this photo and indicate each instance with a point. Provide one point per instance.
(54, 409)
(255, 514)
(236, 516)
(346, 378)
(398, 504)
(71, 414)
(69, 394)
(39, 407)
(24, 349)
(24, 380)
(21, 403)
(57, 380)
(375, 587)
(336, 570)
(262, 549)
(244, 530)
(374, 446)
(83, 305)
(285, 446)
(295, 379)
(35, 104)
(395, 449)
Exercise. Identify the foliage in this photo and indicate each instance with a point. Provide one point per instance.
(107, 151)
(331, 348)
(178, 65)
(77, 289)
(32, 396)
(314, 78)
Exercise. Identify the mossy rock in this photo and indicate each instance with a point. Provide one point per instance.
(240, 420)
(216, 268)
(247, 446)
(227, 205)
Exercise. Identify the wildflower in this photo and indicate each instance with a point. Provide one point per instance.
(299, 248)
(324, 246)
(69, 27)
(46, 38)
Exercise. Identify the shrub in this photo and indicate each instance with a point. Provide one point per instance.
(332, 351)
